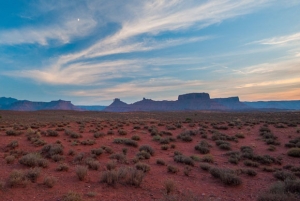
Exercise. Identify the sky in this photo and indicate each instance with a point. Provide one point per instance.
(92, 51)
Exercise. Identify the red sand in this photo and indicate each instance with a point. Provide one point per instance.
(200, 182)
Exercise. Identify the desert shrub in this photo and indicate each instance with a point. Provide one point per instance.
(91, 194)
(57, 158)
(122, 132)
(227, 176)
(10, 159)
(33, 174)
(62, 167)
(99, 134)
(294, 152)
(49, 181)
(249, 172)
(173, 146)
(221, 136)
(251, 163)
(164, 147)
(164, 140)
(110, 177)
(184, 159)
(281, 191)
(234, 157)
(126, 141)
(17, 178)
(160, 162)
(156, 138)
(97, 152)
(110, 132)
(52, 149)
(131, 176)
(148, 149)
(141, 155)
(142, 166)
(203, 147)
(207, 158)
(187, 170)
(88, 142)
(172, 169)
(51, 133)
(169, 186)
(124, 150)
(240, 135)
(284, 175)
(81, 172)
(78, 158)
(72, 196)
(272, 148)
(268, 169)
(185, 136)
(33, 160)
(13, 144)
(92, 164)
(13, 132)
(223, 144)
(107, 149)
(111, 165)
(120, 157)
(135, 137)
(195, 158)
(72, 134)
(205, 166)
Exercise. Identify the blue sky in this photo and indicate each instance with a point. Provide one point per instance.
(92, 51)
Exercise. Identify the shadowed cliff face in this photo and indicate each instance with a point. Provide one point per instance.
(192, 101)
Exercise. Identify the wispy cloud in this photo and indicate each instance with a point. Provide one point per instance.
(281, 40)
(63, 33)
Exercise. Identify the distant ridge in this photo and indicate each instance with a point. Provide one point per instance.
(185, 102)
(25, 105)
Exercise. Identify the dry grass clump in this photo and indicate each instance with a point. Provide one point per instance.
(169, 186)
(50, 150)
(120, 157)
(160, 162)
(281, 191)
(97, 152)
(13, 144)
(33, 160)
(81, 172)
(92, 164)
(226, 176)
(125, 175)
(184, 159)
(172, 169)
(111, 165)
(17, 178)
(72, 196)
(126, 141)
(62, 167)
(10, 159)
(203, 147)
(142, 166)
(49, 181)
(72, 134)
(294, 152)
(88, 142)
(148, 149)
(13, 132)
(33, 174)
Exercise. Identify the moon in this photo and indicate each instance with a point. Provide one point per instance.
(78, 19)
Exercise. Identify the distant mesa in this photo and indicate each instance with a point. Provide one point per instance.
(185, 102)
(25, 105)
